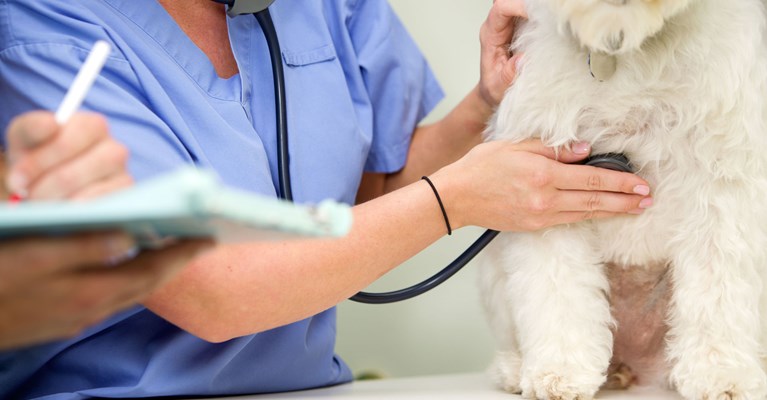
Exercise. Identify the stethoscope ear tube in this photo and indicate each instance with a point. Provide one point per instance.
(264, 19)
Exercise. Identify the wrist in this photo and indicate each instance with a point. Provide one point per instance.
(469, 118)
(484, 102)
(441, 204)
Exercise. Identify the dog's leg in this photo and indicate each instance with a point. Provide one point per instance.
(557, 290)
(493, 281)
(505, 370)
(715, 321)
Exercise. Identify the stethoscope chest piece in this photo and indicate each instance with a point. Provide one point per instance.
(613, 161)
(242, 7)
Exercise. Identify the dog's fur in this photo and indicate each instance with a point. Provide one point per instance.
(688, 105)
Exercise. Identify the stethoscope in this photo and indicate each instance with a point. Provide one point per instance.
(260, 9)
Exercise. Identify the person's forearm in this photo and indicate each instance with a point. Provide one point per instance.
(443, 142)
(248, 288)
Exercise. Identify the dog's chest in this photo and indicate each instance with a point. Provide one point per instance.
(639, 299)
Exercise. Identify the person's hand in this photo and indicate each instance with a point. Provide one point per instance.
(498, 67)
(75, 161)
(522, 187)
(53, 288)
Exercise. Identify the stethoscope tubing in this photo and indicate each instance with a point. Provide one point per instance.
(264, 19)
(285, 192)
(613, 161)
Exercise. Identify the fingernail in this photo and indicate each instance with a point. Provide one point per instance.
(581, 148)
(644, 190)
(121, 248)
(646, 203)
(17, 184)
(119, 244)
(15, 198)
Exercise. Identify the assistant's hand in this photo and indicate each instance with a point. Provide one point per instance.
(522, 187)
(75, 161)
(53, 288)
(498, 68)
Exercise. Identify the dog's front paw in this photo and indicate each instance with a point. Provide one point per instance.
(504, 371)
(561, 383)
(706, 381)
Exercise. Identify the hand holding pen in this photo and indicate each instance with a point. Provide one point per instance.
(56, 286)
(66, 155)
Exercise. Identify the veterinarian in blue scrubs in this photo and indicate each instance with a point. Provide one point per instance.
(258, 318)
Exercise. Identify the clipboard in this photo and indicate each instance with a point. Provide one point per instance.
(186, 203)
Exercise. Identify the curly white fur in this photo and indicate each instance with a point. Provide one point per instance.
(688, 105)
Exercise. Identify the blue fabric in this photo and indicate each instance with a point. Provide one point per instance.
(357, 86)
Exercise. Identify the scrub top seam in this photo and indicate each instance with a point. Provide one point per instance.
(42, 45)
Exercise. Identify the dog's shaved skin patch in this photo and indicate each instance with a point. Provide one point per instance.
(639, 298)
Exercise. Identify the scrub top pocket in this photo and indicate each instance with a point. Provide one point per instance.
(308, 57)
(328, 144)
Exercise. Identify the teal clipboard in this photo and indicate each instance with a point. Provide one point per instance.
(187, 203)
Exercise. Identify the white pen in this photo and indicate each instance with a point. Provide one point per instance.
(83, 81)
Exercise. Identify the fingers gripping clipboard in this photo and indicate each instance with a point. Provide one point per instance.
(187, 203)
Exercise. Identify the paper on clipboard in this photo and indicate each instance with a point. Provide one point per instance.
(182, 204)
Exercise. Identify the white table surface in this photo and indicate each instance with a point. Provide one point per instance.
(462, 386)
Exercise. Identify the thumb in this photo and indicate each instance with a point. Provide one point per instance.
(30, 130)
(566, 154)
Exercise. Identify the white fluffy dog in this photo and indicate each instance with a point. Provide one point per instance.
(675, 295)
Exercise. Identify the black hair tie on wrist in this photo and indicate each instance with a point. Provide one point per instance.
(441, 206)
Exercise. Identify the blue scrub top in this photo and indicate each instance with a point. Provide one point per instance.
(356, 88)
